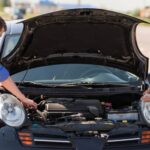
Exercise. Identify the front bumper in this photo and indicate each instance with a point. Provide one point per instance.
(9, 141)
(136, 147)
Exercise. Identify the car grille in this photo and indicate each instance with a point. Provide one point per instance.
(43, 140)
(62, 142)
(122, 142)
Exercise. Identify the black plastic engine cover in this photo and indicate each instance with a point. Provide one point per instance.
(93, 106)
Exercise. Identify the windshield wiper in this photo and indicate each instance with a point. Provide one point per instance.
(40, 84)
(75, 84)
(93, 84)
(31, 83)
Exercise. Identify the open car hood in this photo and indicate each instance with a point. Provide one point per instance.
(79, 36)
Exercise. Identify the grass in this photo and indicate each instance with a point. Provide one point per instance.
(145, 19)
(5, 15)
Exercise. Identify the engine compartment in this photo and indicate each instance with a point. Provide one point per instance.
(87, 114)
(105, 116)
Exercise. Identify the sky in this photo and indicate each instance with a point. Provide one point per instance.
(119, 5)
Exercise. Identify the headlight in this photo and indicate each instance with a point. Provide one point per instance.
(11, 110)
(145, 111)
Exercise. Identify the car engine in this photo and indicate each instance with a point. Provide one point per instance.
(86, 115)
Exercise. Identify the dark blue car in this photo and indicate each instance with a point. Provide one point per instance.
(84, 69)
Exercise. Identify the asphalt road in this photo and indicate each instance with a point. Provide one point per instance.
(143, 40)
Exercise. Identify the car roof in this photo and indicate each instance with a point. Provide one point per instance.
(14, 27)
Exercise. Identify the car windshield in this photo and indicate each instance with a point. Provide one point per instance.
(75, 73)
(10, 43)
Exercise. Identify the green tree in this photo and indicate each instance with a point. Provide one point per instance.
(4, 3)
(136, 13)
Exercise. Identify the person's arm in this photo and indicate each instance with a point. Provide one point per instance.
(9, 84)
(146, 95)
(146, 98)
(146, 91)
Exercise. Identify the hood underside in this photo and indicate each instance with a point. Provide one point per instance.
(79, 36)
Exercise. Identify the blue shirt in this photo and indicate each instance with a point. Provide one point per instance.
(4, 74)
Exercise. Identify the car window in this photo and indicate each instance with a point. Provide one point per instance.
(63, 73)
(10, 43)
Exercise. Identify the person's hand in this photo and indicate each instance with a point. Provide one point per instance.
(146, 97)
(29, 103)
(147, 91)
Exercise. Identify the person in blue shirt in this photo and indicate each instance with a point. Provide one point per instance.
(6, 80)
